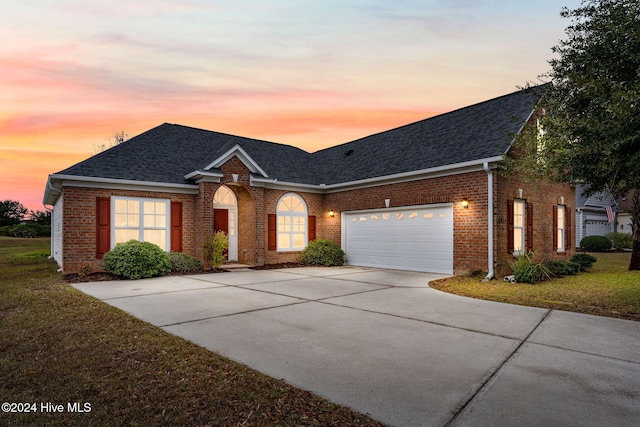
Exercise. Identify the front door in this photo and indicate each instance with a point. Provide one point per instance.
(221, 223)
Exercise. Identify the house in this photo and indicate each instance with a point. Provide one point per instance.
(426, 196)
(591, 214)
(624, 218)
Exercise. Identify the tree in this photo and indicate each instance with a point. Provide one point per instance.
(591, 110)
(11, 212)
(116, 139)
(40, 217)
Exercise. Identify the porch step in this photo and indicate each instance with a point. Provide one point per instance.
(235, 266)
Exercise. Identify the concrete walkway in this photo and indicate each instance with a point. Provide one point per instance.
(383, 343)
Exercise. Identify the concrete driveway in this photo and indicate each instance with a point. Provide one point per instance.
(383, 343)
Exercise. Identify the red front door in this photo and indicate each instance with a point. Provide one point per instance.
(221, 223)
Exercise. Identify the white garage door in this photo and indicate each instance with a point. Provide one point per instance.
(418, 238)
(598, 228)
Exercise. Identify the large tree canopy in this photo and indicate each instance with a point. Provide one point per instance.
(590, 115)
(11, 212)
(592, 125)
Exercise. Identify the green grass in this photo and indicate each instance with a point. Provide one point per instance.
(59, 345)
(608, 289)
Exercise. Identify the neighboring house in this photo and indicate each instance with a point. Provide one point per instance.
(591, 214)
(624, 220)
(426, 196)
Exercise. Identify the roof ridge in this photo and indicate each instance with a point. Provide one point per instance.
(237, 136)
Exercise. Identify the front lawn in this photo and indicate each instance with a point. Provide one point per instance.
(59, 346)
(608, 289)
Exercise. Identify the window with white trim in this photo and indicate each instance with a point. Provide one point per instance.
(291, 229)
(561, 228)
(143, 219)
(518, 226)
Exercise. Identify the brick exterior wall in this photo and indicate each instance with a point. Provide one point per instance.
(543, 196)
(256, 203)
(79, 224)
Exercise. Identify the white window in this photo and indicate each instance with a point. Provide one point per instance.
(518, 227)
(561, 228)
(291, 212)
(146, 220)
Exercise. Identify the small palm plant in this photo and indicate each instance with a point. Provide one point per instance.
(526, 270)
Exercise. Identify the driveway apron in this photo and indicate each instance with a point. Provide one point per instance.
(383, 343)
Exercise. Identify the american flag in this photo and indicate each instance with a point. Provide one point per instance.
(611, 215)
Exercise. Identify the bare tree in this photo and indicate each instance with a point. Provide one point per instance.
(116, 139)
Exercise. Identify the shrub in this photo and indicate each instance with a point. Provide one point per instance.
(562, 267)
(214, 248)
(526, 270)
(585, 261)
(595, 244)
(620, 240)
(26, 230)
(136, 260)
(323, 252)
(183, 263)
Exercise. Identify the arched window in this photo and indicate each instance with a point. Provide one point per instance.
(224, 197)
(291, 213)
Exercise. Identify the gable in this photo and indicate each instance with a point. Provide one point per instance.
(242, 155)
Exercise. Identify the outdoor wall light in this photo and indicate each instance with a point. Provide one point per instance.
(465, 203)
(332, 214)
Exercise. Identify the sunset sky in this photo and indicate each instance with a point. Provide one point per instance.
(307, 73)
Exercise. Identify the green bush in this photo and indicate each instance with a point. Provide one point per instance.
(183, 263)
(323, 252)
(527, 271)
(136, 260)
(595, 244)
(214, 248)
(26, 230)
(585, 261)
(562, 268)
(620, 240)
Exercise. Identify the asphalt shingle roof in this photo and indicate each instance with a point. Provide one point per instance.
(169, 152)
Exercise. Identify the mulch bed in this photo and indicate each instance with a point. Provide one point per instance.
(102, 276)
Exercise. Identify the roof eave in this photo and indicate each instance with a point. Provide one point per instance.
(199, 176)
(452, 169)
(55, 182)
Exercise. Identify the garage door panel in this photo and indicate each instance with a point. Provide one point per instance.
(415, 238)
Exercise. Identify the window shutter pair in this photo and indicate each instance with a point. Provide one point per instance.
(103, 226)
(567, 228)
(272, 233)
(528, 228)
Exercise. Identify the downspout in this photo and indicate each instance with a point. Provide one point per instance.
(489, 172)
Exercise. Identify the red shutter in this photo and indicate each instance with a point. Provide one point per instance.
(176, 226)
(271, 232)
(312, 228)
(555, 227)
(567, 228)
(510, 247)
(103, 226)
(529, 208)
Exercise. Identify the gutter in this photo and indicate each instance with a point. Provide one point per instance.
(489, 172)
